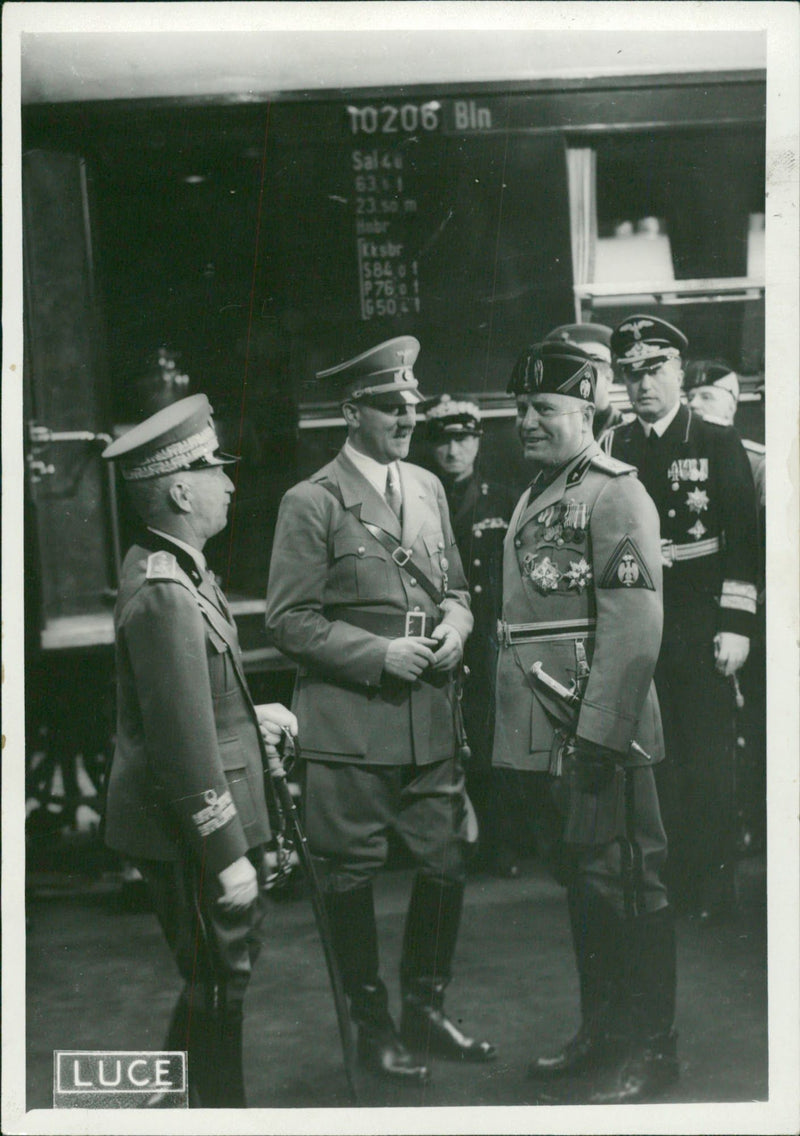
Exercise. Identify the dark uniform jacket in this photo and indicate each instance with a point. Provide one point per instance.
(581, 573)
(188, 765)
(699, 477)
(480, 511)
(336, 598)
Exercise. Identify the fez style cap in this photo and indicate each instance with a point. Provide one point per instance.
(594, 338)
(641, 342)
(383, 370)
(711, 373)
(449, 417)
(181, 436)
(554, 368)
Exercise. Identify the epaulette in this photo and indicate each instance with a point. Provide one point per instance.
(162, 566)
(754, 447)
(612, 466)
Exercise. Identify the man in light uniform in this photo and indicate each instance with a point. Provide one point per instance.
(582, 602)
(698, 475)
(186, 790)
(367, 594)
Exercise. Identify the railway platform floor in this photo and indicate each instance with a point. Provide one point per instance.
(99, 977)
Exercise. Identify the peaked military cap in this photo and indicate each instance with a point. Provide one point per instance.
(641, 343)
(711, 373)
(554, 368)
(384, 375)
(449, 417)
(181, 436)
(593, 338)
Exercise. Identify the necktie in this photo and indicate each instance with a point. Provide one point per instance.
(394, 498)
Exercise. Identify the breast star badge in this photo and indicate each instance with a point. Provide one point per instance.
(579, 574)
(697, 529)
(697, 500)
(545, 575)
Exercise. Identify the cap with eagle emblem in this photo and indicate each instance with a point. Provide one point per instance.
(181, 436)
(383, 376)
(554, 368)
(643, 342)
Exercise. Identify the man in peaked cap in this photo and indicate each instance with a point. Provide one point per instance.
(698, 475)
(479, 510)
(582, 607)
(367, 594)
(712, 390)
(595, 340)
(186, 789)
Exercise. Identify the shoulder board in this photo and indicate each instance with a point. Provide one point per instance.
(162, 566)
(754, 447)
(612, 466)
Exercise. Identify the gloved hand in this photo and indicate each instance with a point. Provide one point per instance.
(592, 766)
(450, 647)
(239, 882)
(273, 720)
(730, 652)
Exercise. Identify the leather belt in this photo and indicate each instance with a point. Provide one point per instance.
(670, 551)
(510, 634)
(392, 625)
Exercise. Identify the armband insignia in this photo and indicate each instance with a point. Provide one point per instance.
(626, 568)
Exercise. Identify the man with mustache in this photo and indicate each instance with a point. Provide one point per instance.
(186, 798)
(368, 596)
(582, 603)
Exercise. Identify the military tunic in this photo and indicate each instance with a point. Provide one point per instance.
(699, 477)
(336, 598)
(582, 584)
(186, 788)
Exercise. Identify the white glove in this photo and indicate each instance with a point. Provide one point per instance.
(239, 882)
(730, 652)
(273, 720)
(451, 647)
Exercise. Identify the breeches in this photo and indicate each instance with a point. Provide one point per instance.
(626, 872)
(213, 949)
(350, 810)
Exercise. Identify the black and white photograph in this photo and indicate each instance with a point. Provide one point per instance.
(400, 718)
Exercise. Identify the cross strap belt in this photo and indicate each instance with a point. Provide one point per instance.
(670, 552)
(510, 634)
(401, 556)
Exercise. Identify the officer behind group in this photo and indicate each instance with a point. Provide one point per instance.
(367, 594)
(698, 475)
(712, 390)
(595, 340)
(582, 598)
(479, 512)
(186, 789)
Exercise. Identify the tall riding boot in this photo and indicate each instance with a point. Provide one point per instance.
(429, 943)
(597, 939)
(355, 940)
(650, 972)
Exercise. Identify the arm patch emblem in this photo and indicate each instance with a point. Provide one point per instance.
(626, 568)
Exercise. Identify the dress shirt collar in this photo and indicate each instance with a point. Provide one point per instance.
(374, 471)
(663, 424)
(195, 553)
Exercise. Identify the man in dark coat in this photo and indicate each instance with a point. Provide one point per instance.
(186, 790)
(367, 594)
(479, 511)
(582, 607)
(699, 478)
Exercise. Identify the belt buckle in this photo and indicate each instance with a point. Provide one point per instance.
(668, 553)
(503, 633)
(415, 623)
(405, 554)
